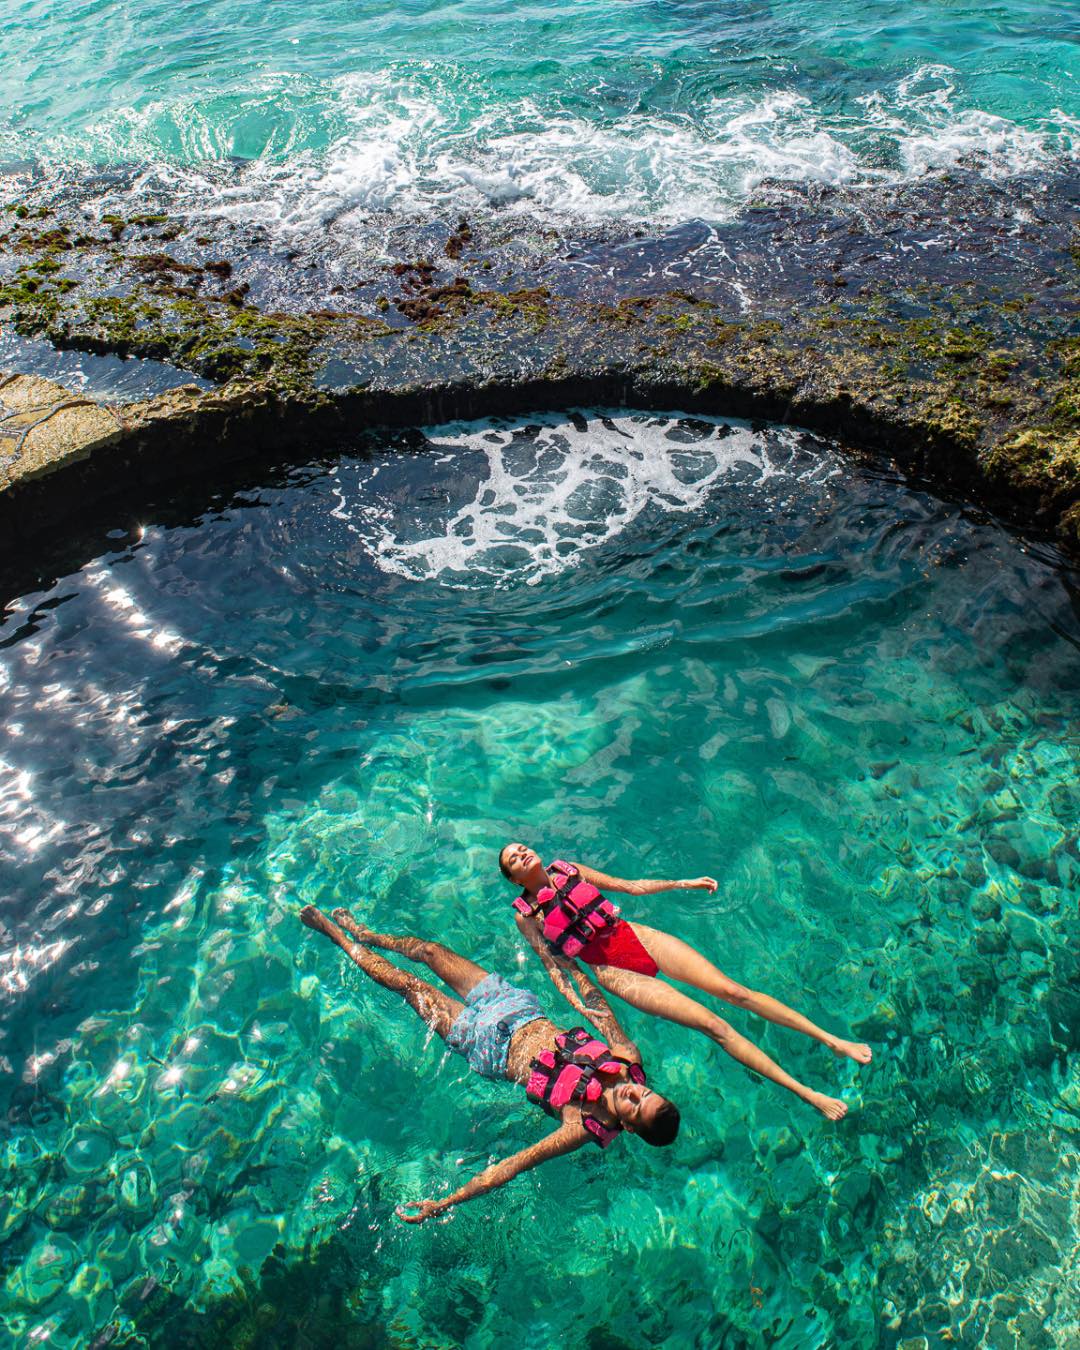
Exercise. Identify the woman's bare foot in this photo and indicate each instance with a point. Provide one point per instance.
(861, 1054)
(360, 931)
(832, 1108)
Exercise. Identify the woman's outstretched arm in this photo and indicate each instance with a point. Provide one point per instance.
(559, 969)
(644, 886)
(586, 999)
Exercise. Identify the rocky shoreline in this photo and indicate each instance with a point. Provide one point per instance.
(936, 325)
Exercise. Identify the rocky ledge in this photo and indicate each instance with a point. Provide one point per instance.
(937, 325)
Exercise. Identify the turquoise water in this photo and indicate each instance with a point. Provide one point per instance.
(648, 109)
(855, 705)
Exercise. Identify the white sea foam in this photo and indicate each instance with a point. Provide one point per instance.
(407, 151)
(930, 132)
(410, 141)
(522, 501)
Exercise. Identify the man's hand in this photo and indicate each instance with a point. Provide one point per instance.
(700, 884)
(425, 1209)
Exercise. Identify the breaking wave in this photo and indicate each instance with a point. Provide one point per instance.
(418, 140)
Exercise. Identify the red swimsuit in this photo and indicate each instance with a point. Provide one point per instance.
(621, 947)
(615, 945)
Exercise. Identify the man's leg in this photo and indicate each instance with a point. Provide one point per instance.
(461, 974)
(653, 996)
(679, 961)
(437, 1009)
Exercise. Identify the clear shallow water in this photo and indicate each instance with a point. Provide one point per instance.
(600, 111)
(853, 704)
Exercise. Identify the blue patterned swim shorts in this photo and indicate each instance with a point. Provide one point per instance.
(494, 1010)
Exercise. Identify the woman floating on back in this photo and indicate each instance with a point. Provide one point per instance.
(564, 916)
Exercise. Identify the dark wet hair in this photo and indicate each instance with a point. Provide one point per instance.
(663, 1127)
(502, 866)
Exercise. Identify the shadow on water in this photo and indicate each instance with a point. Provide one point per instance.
(326, 1297)
(315, 1301)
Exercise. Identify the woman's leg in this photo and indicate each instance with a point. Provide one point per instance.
(437, 1009)
(653, 996)
(679, 961)
(461, 974)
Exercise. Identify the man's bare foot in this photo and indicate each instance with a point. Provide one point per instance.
(861, 1054)
(315, 918)
(832, 1108)
(360, 931)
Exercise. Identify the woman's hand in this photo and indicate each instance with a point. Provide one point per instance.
(425, 1209)
(700, 884)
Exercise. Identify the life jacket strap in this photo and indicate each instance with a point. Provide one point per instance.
(601, 1134)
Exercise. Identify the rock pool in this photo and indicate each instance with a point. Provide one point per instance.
(663, 645)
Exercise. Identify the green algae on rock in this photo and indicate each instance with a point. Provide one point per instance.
(1041, 461)
(972, 384)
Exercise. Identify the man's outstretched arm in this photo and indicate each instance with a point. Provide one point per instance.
(565, 1139)
(586, 1000)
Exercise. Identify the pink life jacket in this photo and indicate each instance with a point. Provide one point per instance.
(573, 910)
(567, 1075)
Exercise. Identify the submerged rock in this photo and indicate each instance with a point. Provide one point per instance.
(44, 1273)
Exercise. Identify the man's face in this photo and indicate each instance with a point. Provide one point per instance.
(636, 1105)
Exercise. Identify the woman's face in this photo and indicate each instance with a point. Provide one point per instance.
(520, 861)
